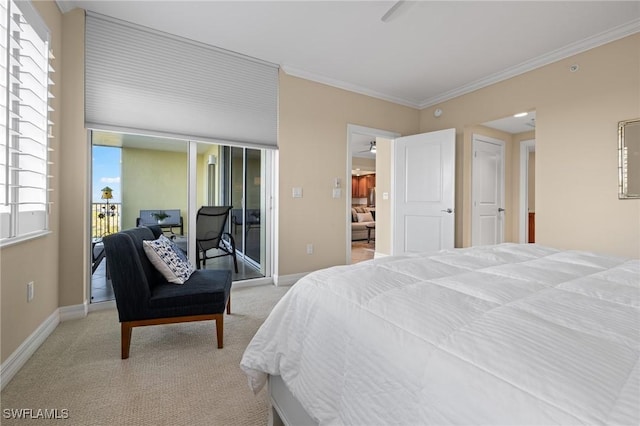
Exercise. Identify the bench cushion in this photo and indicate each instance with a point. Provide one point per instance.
(209, 288)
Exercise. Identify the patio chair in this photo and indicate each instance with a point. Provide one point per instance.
(211, 222)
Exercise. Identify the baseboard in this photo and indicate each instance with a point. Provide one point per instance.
(377, 255)
(252, 282)
(20, 356)
(73, 312)
(285, 280)
(102, 306)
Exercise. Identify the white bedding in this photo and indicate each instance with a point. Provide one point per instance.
(510, 334)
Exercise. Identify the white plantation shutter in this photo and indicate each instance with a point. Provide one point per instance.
(139, 80)
(24, 121)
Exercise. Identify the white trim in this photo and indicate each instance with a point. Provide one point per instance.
(377, 255)
(252, 282)
(296, 72)
(20, 356)
(525, 148)
(287, 280)
(24, 237)
(361, 130)
(192, 199)
(102, 306)
(73, 312)
(64, 6)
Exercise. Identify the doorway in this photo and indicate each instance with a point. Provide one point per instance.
(519, 132)
(361, 190)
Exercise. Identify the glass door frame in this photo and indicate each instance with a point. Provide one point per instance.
(267, 174)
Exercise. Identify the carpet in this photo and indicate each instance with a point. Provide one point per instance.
(175, 374)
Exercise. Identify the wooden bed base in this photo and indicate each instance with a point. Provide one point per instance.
(285, 409)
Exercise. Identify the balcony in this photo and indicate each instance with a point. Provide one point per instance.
(105, 219)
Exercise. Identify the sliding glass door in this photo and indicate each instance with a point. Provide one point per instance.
(148, 175)
(246, 194)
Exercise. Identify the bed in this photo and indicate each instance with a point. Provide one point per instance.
(509, 334)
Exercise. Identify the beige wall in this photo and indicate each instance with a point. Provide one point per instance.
(577, 206)
(364, 164)
(75, 162)
(312, 144)
(36, 260)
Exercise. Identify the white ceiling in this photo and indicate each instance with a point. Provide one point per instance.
(427, 52)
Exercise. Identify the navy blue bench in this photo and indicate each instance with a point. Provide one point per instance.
(144, 297)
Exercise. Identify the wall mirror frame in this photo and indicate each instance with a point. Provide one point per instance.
(629, 159)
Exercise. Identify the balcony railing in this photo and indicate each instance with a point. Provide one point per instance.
(105, 219)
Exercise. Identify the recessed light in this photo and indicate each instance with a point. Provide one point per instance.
(521, 114)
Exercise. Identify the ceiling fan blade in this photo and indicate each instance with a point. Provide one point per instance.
(391, 11)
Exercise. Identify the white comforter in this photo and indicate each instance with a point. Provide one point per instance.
(509, 334)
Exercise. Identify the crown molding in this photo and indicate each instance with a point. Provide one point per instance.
(65, 6)
(605, 37)
(554, 56)
(296, 72)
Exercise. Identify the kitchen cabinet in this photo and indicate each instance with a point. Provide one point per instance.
(360, 185)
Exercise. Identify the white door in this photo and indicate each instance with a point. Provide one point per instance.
(424, 192)
(487, 191)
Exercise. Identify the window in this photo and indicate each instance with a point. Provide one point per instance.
(24, 122)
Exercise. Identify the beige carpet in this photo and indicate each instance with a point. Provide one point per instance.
(175, 374)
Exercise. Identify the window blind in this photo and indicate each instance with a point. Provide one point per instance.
(138, 80)
(24, 121)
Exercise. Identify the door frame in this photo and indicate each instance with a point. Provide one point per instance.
(474, 210)
(526, 147)
(360, 130)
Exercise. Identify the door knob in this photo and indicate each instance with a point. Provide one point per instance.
(447, 211)
(500, 209)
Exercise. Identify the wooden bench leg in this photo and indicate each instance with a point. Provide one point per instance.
(125, 328)
(229, 306)
(220, 329)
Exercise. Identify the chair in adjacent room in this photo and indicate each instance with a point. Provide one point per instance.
(212, 237)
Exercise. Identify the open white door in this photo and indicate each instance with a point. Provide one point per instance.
(424, 192)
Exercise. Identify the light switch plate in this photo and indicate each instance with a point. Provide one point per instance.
(296, 192)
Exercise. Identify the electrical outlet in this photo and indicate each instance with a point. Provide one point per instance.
(309, 248)
(30, 293)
